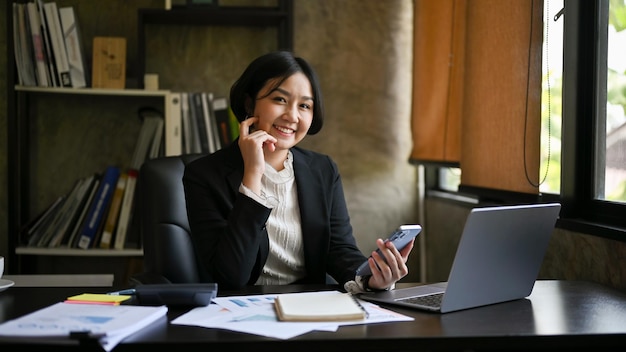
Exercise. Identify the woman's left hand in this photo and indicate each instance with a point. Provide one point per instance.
(385, 274)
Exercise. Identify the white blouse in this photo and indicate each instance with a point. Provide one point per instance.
(285, 262)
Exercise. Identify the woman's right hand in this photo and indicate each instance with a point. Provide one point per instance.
(251, 143)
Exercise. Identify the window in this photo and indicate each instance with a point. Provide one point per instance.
(610, 164)
(583, 143)
(551, 97)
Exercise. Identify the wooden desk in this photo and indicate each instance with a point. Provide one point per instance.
(62, 280)
(563, 315)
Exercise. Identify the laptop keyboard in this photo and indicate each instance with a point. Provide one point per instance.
(433, 300)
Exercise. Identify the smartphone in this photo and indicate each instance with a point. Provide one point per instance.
(400, 238)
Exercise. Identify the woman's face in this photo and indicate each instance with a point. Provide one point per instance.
(286, 112)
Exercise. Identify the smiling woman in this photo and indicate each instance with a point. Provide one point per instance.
(264, 210)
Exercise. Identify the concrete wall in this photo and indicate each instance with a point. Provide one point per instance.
(361, 49)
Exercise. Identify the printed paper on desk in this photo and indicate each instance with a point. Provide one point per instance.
(255, 314)
(110, 324)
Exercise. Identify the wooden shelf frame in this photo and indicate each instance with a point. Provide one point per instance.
(280, 17)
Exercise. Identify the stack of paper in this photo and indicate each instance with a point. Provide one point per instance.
(110, 324)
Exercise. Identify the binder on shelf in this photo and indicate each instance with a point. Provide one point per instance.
(173, 125)
(98, 207)
(74, 47)
(109, 62)
(58, 44)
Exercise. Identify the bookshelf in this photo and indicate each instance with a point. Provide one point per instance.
(20, 167)
(22, 112)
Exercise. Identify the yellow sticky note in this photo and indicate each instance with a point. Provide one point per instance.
(96, 297)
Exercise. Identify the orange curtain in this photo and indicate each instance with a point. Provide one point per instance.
(493, 100)
(439, 42)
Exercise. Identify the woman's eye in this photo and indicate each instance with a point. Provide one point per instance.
(280, 99)
(305, 106)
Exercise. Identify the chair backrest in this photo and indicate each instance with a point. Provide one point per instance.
(163, 225)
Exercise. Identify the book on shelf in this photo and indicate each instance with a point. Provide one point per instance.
(23, 48)
(74, 47)
(41, 62)
(114, 212)
(133, 238)
(126, 211)
(222, 120)
(195, 127)
(207, 108)
(109, 62)
(70, 212)
(17, 42)
(157, 140)
(54, 228)
(98, 207)
(201, 120)
(36, 229)
(72, 241)
(318, 306)
(58, 44)
(45, 34)
(151, 129)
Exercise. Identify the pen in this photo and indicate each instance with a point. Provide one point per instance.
(130, 291)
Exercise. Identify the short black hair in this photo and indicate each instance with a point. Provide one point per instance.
(279, 66)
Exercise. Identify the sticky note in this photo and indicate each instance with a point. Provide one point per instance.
(97, 298)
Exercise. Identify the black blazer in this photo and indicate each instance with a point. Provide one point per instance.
(228, 228)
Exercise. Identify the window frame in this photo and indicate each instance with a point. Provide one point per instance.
(584, 116)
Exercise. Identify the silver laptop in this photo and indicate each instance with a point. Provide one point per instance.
(497, 260)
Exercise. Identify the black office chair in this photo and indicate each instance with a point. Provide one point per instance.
(162, 220)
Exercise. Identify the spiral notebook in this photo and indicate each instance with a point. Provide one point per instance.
(318, 306)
